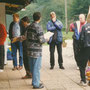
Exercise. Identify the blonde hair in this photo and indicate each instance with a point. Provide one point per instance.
(52, 13)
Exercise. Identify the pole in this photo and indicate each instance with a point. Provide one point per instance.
(66, 25)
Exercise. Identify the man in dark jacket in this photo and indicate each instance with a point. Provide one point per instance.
(25, 24)
(15, 31)
(84, 54)
(55, 26)
(35, 39)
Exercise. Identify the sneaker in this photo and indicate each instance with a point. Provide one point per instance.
(20, 67)
(83, 84)
(61, 67)
(26, 77)
(40, 87)
(15, 68)
(77, 68)
(1, 70)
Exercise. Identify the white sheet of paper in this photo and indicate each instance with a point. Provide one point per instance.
(47, 35)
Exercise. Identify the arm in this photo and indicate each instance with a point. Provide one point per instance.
(3, 35)
(41, 35)
(10, 31)
(51, 27)
(58, 24)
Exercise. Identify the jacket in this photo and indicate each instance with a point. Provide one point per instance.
(3, 34)
(76, 28)
(35, 39)
(52, 26)
(85, 36)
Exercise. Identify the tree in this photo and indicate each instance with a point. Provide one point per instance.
(78, 7)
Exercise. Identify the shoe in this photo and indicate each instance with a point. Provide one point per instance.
(61, 67)
(20, 67)
(51, 67)
(15, 68)
(26, 77)
(83, 84)
(77, 68)
(1, 70)
(40, 87)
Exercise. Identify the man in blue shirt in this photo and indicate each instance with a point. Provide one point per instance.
(55, 26)
(15, 31)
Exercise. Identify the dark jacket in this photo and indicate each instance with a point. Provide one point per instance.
(84, 40)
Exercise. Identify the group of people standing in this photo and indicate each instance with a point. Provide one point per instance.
(31, 38)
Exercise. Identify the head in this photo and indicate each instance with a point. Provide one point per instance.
(53, 15)
(16, 17)
(25, 21)
(82, 18)
(37, 16)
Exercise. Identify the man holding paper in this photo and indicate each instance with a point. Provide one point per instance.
(14, 35)
(55, 26)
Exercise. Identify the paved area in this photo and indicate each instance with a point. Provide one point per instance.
(55, 79)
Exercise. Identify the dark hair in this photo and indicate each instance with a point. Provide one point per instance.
(25, 19)
(36, 16)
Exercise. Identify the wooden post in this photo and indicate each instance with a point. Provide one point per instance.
(2, 14)
(66, 25)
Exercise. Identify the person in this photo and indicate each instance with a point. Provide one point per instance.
(15, 31)
(3, 35)
(55, 26)
(76, 28)
(35, 40)
(25, 23)
(84, 45)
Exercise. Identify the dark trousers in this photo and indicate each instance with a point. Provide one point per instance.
(52, 50)
(25, 58)
(1, 56)
(76, 51)
(84, 55)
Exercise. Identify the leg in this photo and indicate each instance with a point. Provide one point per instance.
(59, 50)
(36, 72)
(83, 62)
(1, 56)
(20, 53)
(76, 51)
(52, 50)
(14, 54)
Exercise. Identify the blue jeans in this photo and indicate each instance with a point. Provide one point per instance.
(35, 66)
(17, 46)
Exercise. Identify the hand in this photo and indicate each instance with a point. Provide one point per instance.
(54, 19)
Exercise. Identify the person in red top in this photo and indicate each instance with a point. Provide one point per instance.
(3, 35)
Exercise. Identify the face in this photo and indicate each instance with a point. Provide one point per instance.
(53, 15)
(82, 19)
(25, 24)
(15, 19)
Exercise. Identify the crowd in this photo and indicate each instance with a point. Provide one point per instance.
(27, 38)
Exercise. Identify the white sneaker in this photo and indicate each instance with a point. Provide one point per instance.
(82, 84)
(77, 68)
(1, 70)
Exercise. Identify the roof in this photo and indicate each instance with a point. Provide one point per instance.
(12, 6)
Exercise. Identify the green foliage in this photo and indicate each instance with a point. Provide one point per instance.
(45, 7)
(78, 7)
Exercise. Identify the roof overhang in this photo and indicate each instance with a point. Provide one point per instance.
(13, 6)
